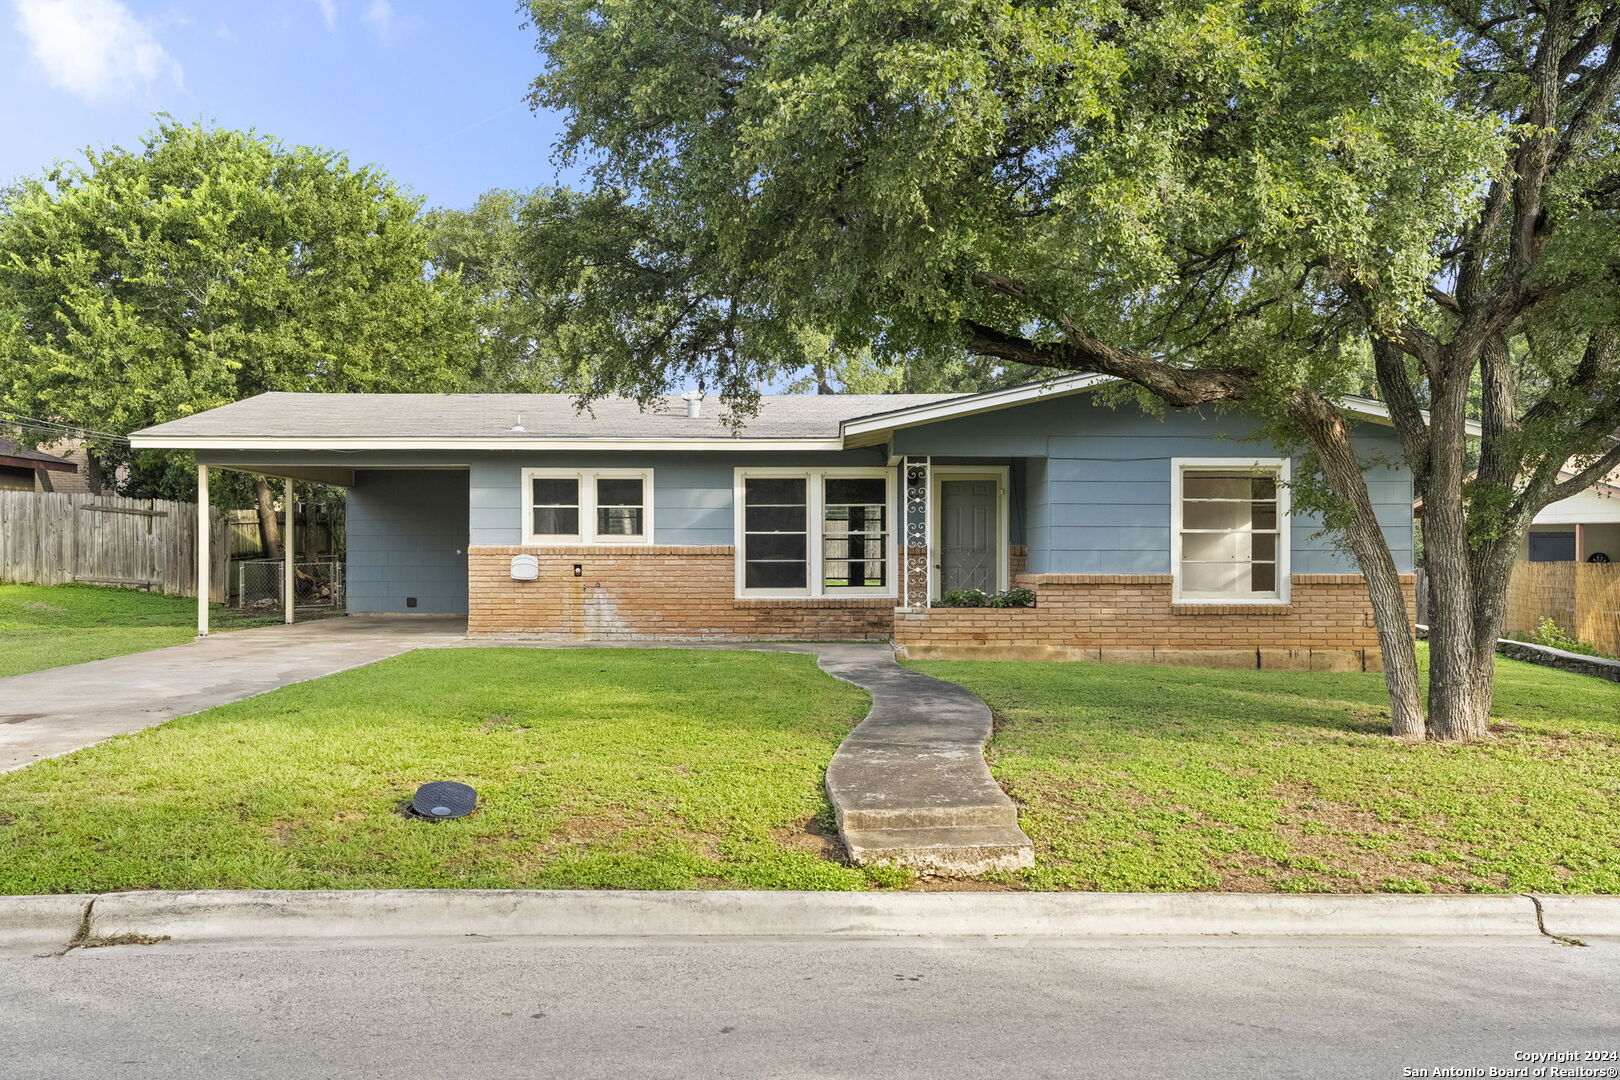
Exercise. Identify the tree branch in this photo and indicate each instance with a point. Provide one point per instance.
(1174, 385)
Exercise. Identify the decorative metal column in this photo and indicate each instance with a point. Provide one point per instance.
(917, 527)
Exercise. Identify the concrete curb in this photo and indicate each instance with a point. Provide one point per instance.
(1580, 916)
(333, 916)
(31, 924)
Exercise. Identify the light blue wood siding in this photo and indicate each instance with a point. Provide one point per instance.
(1098, 481)
(408, 537)
(1090, 493)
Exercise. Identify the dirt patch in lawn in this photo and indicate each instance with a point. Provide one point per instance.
(814, 836)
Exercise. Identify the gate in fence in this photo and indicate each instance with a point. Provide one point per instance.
(316, 584)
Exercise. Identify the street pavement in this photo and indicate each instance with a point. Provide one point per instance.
(492, 1009)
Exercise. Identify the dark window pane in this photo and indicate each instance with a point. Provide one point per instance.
(846, 489)
(1263, 487)
(618, 520)
(774, 519)
(556, 491)
(1265, 515)
(618, 492)
(556, 521)
(779, 490)
(1264, 577)
(775, 546)
(1264, 546)
(774, 575)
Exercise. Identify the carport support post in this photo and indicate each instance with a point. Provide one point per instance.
(205, 558)
(287, 582)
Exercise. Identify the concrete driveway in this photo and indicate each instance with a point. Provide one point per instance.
(58, 710)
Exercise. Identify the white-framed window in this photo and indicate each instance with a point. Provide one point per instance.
(1229, 529)
(587, 506)
(815, 532)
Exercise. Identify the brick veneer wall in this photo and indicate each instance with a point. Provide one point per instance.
(687, 592)
(649, 592)
(1130, 618)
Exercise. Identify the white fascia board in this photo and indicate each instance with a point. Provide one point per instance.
(868, 430)
(1373, 409)
(219, 442)
(971, 405)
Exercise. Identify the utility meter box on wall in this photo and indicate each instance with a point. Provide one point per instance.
(525, 568)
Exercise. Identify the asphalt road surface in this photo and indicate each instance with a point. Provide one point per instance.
(490, 1009)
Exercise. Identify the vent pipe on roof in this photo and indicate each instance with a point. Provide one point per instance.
(519, 425)
(694, 403)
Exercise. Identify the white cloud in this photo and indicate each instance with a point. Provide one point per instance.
(386, 23)
(328, 12)
(379, 15)
(94, 48)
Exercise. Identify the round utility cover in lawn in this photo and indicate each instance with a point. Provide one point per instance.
(443, 799)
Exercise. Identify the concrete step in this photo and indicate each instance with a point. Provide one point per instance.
(943, 814)
(956, 851)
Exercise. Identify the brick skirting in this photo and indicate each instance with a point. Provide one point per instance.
(652, 591)
(1130, 618)
(629, 592)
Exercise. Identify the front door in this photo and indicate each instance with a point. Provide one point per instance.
(968, 521)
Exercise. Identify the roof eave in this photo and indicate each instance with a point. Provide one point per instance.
(294, 443)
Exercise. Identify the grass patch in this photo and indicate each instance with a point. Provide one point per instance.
(610, 768)
(1163, 778)
(45, 626)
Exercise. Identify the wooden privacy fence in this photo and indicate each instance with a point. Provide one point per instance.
(105, 540)
(1582, 598)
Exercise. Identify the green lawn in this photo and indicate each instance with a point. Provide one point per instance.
(600, 768)
(1162, 778)
(44, 626)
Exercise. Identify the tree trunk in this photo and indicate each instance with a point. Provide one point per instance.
(269, 527)
(93, 478)
(1459, 697)
(1391, 615)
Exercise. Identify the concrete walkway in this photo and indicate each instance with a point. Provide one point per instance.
(58, 710)
(910, 785)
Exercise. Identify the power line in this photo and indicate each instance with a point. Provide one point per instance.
(18, 420)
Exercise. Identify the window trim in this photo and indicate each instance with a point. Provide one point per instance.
(815, 509)
(1282, 467)
(587, 507)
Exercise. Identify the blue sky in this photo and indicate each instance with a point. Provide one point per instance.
(430, 91)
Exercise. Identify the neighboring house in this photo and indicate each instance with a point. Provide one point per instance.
(1581, 528)
(1144, 537)
(24, 469)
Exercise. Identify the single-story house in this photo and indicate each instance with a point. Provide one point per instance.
(1144, 537)
(1581, 528)
(23, 468)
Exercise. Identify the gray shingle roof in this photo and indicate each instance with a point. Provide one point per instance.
(11, 449)
(545, 416)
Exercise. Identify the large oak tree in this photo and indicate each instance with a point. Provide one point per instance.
(1266, 202)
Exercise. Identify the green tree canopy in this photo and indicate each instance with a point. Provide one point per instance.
(1216, 201)
(210, 265)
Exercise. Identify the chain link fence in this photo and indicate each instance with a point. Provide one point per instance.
(316, 584)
